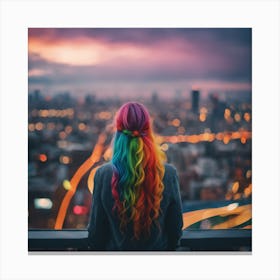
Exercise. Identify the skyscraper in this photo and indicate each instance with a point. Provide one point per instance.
(195, 101)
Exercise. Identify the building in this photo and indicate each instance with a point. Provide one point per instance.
(195, 101)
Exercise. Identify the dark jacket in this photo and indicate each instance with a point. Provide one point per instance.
(104, 232)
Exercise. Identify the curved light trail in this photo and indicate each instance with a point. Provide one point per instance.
(189, 218)
(244, 213)
(94, 158)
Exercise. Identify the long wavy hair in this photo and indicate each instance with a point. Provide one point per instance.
(138, 170)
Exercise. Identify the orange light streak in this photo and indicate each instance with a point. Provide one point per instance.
(248, 191)
(209, 137)
(247, 227)
(90, 180)
(235, 221)
(193, 217)
(94, 157)
(235, 187)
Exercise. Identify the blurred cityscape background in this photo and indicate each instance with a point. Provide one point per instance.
(203, 125)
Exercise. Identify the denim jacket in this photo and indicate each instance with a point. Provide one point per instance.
(104, 231)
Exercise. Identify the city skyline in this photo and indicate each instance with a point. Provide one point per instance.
(210, 146)
(112, 61)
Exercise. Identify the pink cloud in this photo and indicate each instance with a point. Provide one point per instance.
(91, 56)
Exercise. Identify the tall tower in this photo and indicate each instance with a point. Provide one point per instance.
(195, 101)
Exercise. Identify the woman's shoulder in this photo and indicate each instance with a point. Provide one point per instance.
(170, 174)
(170, 180)
(170, 169)
(103, 176)
(105, 168)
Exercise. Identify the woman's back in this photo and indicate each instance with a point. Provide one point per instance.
(104, 229)
(136, 200)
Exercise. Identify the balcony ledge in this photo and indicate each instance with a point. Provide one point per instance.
(192, 240)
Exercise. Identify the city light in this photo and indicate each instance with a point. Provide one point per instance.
(68, 129)
(31, 127)
(247, 117)
(203, 110)
(248, 174)
(105, 115)
(202, 117)
(232, 206)
(209, 137)
(227, 114)
(237, 196)
(39, 126)
(228, 196)
(226, 139)
(42, 203)
(203, 114)
(243, 140)
(237, 117)
(44, 113)
(82, 126)
(53, 113)
(43, 157)
(164, 147)
(235, 187)
(66, 184)
(248, 191)
(62, 135)
(176, 122)
(64, 159)
(80, 210)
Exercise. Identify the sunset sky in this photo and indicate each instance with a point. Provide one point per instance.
(115, 61)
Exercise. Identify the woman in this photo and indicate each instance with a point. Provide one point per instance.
(136, 201)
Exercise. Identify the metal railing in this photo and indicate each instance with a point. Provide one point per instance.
(192, 240)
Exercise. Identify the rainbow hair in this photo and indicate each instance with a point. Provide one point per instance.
(138, 170)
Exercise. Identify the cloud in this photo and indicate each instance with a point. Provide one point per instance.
(87, 56)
